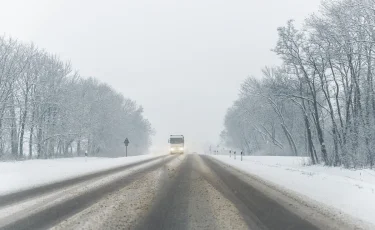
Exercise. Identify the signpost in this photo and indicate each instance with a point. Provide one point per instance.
(126, 142)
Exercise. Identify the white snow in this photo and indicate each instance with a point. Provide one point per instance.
(350, 191)
(20, 175)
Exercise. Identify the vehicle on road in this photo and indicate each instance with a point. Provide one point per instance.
(176, 144)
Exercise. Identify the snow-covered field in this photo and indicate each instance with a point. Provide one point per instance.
(20, 175)
(350, 191)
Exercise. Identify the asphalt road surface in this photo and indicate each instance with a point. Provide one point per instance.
(169, 192)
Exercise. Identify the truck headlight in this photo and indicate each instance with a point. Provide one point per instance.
(181, 148)
(172, 149)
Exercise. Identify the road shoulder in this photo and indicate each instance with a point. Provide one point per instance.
(320, 215)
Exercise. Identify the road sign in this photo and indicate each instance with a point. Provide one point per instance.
(126, 142)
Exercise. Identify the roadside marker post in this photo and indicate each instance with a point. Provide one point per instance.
(230, 153)
(241, 155)
(234, 154)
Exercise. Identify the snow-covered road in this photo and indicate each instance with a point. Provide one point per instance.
(168, 192)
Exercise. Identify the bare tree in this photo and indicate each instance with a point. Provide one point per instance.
(327, 72)
(61, 113)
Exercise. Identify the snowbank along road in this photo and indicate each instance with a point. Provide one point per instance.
(169, 192)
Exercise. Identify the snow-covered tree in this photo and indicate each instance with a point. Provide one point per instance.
(47, 110)
(322, 96)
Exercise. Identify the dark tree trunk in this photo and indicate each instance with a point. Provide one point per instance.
(79, 148)
(39, 145)
(13, 135)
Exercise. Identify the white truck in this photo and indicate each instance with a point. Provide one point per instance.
(177, 143)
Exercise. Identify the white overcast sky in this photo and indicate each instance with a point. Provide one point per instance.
(182, 60)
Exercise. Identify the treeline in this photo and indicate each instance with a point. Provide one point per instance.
(47, 110)
(320, 102)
